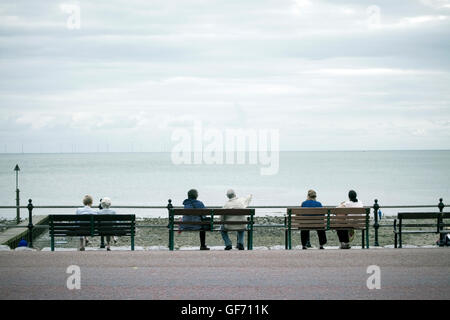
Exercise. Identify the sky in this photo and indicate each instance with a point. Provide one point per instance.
(328, 75)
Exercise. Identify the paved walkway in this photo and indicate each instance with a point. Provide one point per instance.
(296, 274)
(11, 235)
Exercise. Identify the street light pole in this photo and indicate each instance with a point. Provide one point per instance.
(17, 169)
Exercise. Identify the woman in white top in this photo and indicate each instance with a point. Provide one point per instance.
(344, 235)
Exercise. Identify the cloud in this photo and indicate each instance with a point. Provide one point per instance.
(375, 72)
(134, 72)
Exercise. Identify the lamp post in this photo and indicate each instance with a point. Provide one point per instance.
(17, 169)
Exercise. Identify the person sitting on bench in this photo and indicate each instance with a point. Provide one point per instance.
(304, 234)
(106, 205)
(87, 201)
(235, 203)
(192, 203)
(345, 235)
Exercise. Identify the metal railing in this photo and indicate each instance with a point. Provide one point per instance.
(375, 207)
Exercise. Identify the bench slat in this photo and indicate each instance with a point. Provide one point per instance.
(302, 218)
(217, 212)
(347, 225)
(418, 215)
(348, 218)
(415, 231)
(96, 217)
(308, 211)
(215, 222)
(308, 227)
(322, 221)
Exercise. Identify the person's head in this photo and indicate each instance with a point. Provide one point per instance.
(231, 194)
(22, 243)
(105, 203)
(312, 195)
(87, 200)
(192, 194)
(352, 196)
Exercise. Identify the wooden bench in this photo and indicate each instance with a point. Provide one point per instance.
(91, 225)
(439, 226)
(212, 224)
(328, 219)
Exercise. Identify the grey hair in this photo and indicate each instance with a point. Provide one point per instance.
(106, 203)
(231, 194)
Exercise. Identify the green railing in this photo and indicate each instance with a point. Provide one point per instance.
(374, 208)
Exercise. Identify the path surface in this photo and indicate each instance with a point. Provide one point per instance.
(296, 274)
(12, 234)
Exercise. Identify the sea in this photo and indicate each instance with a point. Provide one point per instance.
(141, 179)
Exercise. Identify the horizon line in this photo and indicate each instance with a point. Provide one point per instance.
(246, 151)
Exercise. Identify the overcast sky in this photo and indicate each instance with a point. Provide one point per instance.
(329, 75)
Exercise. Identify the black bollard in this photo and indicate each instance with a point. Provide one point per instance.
(442, 236)
(30, 223)
(170, 224)
(376, 225)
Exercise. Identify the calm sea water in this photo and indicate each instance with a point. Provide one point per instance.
(393, 177)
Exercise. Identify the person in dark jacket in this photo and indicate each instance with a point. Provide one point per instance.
(192, 203)
(312, 203)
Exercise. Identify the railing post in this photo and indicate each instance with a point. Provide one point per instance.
(289, 229)
(17, 206)
(251, 229)
(285, 233)
(171, 240)
(376, 207)
(102, 238)
(441, 207)
(17, 169)
(30, 223)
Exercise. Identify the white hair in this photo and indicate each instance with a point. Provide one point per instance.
(231, 194)
(106, 203)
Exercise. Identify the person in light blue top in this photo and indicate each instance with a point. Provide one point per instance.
(87, 201)
(105, 209)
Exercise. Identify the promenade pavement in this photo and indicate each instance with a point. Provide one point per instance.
(227, 275)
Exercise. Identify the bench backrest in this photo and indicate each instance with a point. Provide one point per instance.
(328, 218)
(348, 218)
(308, 218)
(92, 224)
(211, 213)
(418, 215)
(438, 218)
